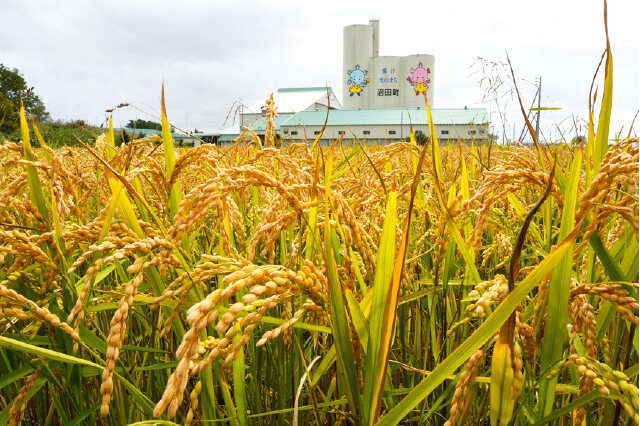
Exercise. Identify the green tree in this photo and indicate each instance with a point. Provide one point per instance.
(143, 124)
(420, 137)
(14, 88)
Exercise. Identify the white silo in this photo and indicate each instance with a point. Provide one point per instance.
(418, 77)
(358, 47)
(375, 36)
(387, 81)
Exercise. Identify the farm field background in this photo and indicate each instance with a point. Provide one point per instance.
(350, 284)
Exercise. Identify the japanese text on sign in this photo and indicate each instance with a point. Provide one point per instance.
(388, 92)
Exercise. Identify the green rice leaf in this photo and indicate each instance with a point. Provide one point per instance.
(478, 338)
(555, 334)
(10, 377)
(19, 346)
(339, 322)
(239, 381)
(175, 193)
(36, 193)
(378, 318)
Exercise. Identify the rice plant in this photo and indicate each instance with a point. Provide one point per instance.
(458, 284)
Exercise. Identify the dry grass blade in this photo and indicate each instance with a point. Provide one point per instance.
(373, 166)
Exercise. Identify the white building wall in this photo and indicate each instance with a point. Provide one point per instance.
(381, 134)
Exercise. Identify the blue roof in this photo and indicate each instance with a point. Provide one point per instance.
(388, 117)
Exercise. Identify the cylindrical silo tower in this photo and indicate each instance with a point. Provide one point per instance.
(375, 36)
(387, 81)
(357, 50)
(417, 77)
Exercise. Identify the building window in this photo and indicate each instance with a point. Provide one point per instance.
(317, 132)
(481, 131)
(392, 132)
(444, 132)
(286, 131)
(294, 132)
(341, 132)
(366, 132)
(472, 132)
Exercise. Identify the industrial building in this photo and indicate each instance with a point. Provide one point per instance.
(384, 125)
(382, 99)
(290, 101)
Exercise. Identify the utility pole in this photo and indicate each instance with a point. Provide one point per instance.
(539, 96)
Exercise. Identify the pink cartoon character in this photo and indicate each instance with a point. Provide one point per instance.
(419, 79)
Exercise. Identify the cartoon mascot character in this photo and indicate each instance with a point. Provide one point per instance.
(357, 80)
(419, 78)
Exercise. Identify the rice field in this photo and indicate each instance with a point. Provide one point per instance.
(351, 284)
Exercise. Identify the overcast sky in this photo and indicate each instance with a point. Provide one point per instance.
(84, 57)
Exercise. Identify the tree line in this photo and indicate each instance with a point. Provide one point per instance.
(14, 89)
